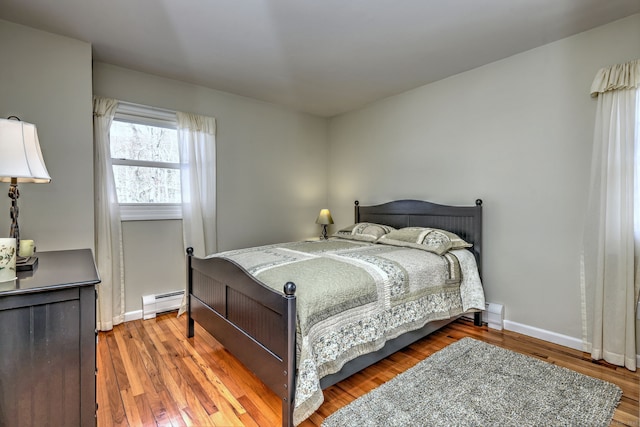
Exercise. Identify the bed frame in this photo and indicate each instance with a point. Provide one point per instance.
(258, 325)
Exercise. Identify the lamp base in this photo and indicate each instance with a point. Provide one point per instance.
(26, 263)
(324, 235)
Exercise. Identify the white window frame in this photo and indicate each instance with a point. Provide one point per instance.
(151, 116)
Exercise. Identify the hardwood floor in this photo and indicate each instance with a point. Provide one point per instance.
(149, 374)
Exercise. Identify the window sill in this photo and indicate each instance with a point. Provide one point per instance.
(150, 212)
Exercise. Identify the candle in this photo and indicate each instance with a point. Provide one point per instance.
(27, 248)
(7, 259)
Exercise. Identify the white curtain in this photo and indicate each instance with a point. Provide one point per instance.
(197, 140)
(108, 229)
(610, 267)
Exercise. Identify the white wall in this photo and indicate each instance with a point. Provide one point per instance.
(154, 260)
(272, 174)
(516, 133)
(45, 79)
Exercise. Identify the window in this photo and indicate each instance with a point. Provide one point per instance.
(146, 164)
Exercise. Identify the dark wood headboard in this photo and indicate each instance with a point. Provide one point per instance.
(465, 221)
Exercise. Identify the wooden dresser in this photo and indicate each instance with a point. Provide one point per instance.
(48, 342)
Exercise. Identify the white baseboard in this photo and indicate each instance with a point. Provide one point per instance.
(543, 334)
(554, 337)
(133, 315)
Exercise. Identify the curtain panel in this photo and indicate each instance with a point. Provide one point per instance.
(197, 141)
(108, 228)
(610, 267)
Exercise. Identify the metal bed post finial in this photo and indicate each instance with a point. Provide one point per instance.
(356, 207)
(289, 372)
(190, 322)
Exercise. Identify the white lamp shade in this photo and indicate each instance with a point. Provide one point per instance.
(324, 217)
(20, 155)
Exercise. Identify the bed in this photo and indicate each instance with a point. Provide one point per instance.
(234, 301)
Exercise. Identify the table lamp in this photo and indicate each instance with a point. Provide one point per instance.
(20, 161)
(325, 219)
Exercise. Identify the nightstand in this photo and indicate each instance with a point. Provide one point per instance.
(48, 342)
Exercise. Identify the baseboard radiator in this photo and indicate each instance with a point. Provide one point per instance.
(160, 303)
(493, 315)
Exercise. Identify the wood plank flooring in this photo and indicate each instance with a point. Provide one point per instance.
(149, 374)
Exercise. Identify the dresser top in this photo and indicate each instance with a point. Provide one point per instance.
(55, 270)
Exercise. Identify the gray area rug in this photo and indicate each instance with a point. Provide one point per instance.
(472, 383)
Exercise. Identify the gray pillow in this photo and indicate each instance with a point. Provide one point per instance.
(427, 239)
(364, 231)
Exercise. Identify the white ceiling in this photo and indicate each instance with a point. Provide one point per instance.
(319, 56)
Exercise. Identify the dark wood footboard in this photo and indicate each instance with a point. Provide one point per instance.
(256, 324)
